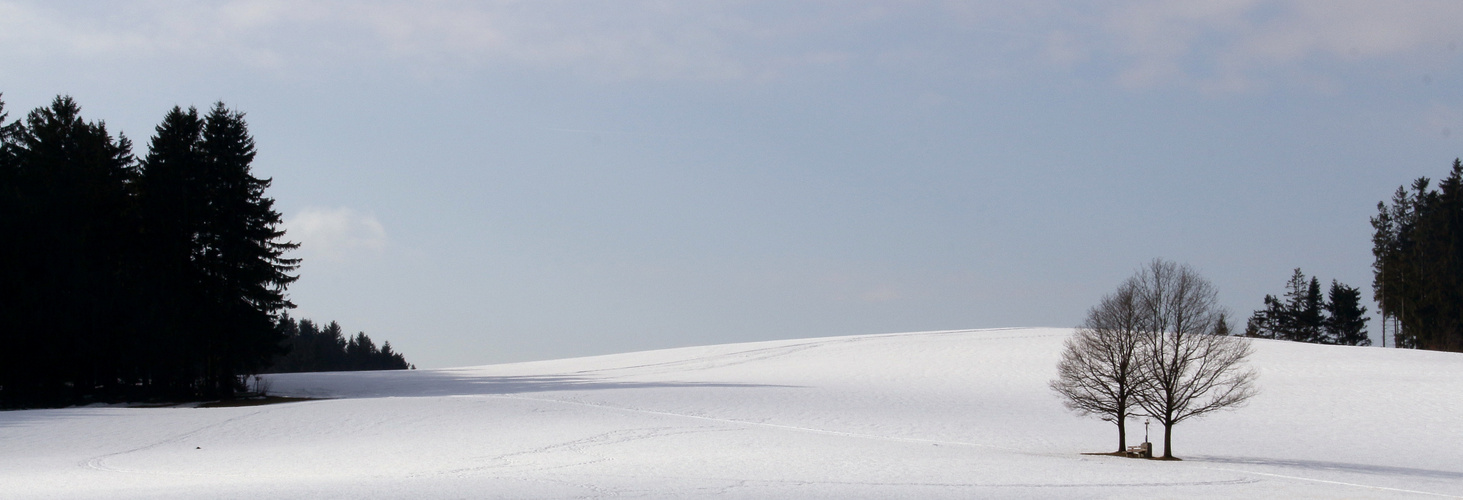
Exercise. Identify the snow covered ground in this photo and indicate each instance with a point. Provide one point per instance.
(957, 414)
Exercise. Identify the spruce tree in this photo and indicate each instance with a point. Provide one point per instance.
(172, 203)
(241, 261)
(1310, 318)
(1290, 324)
(1346, 321)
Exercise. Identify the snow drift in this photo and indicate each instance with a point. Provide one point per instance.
(955, 414)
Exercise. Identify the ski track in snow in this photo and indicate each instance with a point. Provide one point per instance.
(980, 445)
(99, 462)
(647, 435)
(766, 425)
(1341, 483)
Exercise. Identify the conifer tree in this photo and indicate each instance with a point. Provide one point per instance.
(241, 261)
(1307, 316)
(1346, 321)
(172, 204)
(1297, 318)
(1310, 316)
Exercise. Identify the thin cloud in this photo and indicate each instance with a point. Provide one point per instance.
(1210, 46)
(336, 234)
(1241, 45)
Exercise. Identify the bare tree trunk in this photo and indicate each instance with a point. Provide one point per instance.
(1122, 436)
(1167, 441)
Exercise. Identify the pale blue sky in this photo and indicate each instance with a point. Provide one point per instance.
(497, 181)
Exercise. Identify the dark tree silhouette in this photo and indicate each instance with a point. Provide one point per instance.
(70, 220)
(172, 204)
(310, 348)
(132, 280)
(1418, 245)
(1307, 316)
(1346, 317)
(240, 261)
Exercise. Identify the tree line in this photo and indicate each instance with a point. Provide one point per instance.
(314, 348)
(1417, 245)
(1304, 315)
(1418, 271)
(126, 278)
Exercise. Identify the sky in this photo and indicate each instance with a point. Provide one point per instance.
(482, 182)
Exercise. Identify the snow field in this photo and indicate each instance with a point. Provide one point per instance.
(962, 414)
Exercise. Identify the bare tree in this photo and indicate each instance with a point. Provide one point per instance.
(1190, 367)
(1099, 368)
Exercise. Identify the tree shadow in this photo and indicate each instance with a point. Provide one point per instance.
(1320, 465)
(435, 383)
(24, 417)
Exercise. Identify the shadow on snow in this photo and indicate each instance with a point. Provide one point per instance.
(447, 383)
(1317, 465)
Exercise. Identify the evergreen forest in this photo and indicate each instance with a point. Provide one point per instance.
(1418, 245)
(126, 278)
(313, 348)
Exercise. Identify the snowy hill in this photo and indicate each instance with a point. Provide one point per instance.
(956, 414)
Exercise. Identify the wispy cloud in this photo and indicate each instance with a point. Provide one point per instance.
(1238, 45)
(336, 234)
(1207, 45)
(601, 40)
